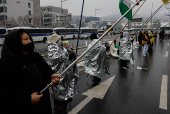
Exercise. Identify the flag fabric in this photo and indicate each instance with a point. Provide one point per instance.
(124, 6)
(138, 2)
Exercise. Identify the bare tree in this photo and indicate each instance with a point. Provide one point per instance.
(36, 21)
(24, 20)
(12, 22)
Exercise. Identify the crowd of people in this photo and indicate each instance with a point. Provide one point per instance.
(24, 73)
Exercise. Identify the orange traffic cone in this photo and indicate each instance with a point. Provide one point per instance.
(72, 46)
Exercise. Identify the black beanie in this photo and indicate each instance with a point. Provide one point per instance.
(93, 36)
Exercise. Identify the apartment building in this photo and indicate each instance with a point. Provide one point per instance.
(19, 11)
(55, 16)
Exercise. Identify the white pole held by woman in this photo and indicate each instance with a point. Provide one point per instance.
(93, 44)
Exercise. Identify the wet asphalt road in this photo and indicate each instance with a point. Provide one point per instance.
(133, 91)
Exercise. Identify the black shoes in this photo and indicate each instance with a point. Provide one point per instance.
(96, 79)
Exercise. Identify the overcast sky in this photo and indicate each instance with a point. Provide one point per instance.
(109, 7)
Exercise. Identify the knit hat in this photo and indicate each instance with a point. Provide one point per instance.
(93, 36)
(54, 38)
(66, 42)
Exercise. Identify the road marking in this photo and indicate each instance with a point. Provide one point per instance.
(163, 95)
(167, 52)
(98, 91)
(168, 44)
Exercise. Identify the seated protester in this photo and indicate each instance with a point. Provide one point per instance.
(126, 51)
(60, 59)
(23, 73)
(96, 63)
(115, 42)
(117, 47)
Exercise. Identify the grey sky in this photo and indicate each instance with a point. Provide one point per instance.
(109, 7)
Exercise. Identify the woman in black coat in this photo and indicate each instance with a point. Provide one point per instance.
(23, 73)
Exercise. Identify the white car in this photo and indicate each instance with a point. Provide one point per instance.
(85, 36)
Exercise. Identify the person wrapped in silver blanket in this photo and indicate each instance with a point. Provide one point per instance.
(96, 63)
(59, 60)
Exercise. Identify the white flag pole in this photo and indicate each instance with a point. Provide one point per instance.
(92, 45)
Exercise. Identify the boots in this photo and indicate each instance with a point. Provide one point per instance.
(96, 79)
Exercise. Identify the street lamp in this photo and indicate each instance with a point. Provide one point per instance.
(97, 9)
(61, 5)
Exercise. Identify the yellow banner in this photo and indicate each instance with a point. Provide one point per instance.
(165, 1)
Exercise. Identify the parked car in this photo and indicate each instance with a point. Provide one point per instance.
(85, 36)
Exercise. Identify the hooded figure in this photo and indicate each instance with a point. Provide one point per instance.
(126, 50)
(59, 61)
(140, 36)
(21, 75)
(96, 63)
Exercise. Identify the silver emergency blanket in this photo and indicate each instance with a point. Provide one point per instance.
(59, 61)
(96, 63)
(125, 49)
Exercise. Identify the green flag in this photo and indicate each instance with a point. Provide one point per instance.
(124, 6)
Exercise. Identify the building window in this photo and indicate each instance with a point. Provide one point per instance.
(29, 5)
(29, 13)
(47, 20)
(3, 9)
(46, 10)
(29, 20)
(2, 1)
(2, 18)
(49, 9)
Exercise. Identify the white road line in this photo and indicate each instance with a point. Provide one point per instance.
(98, 91)
(81, 105)
(167, 52)
(168, 44)
(163, 95)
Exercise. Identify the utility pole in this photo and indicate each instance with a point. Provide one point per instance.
(151, 14)
(4, 12)
(61, 6)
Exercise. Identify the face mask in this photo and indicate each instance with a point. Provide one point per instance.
(29, 48)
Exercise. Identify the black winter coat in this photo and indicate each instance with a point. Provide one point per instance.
(20, 77)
